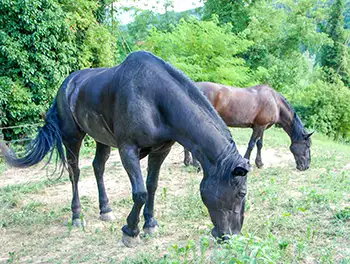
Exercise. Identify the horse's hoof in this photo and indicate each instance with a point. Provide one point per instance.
(259, 165)
(150, 230)
(198, 168)
(107, 217)
(129, 241)
(78, 222)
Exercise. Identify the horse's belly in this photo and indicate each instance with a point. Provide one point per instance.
(237, 120)
(96, 126)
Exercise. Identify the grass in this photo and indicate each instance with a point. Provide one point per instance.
(291, 217)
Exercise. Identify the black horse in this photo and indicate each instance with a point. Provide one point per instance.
(142, 107)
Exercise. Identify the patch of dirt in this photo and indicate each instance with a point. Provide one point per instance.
(270, 157)
(14, 176)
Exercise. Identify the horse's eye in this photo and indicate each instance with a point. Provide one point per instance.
(242, 194)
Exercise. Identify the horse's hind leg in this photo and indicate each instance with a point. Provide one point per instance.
(101, 156)
(259, 145)
(155, 160)
(191, 160)
(129, 155)
(72, 151)
(195, 163)
(187, 159)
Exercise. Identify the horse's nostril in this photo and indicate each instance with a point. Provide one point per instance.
(225, 237)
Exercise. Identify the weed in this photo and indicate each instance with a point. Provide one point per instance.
(13, 257)
(344, 214)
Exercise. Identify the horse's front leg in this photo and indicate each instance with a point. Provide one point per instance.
(251, 143)
(191, 160)
(258, 160)
(130, 158)
(155, 160)
(259, 143)
(196, 164)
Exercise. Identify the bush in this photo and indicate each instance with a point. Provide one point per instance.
(34, 57)
(327, 108)
(204, 51)
(42, 42)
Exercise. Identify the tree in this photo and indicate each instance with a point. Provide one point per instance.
(203, 50)
(95, 43)
(333, 56)
(137, 31)
(286, 40)
(235, 12)
(42, 42)
(35, 55)
(347, 15)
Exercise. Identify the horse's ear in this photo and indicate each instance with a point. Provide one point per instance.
(309, 135)
(241, 169)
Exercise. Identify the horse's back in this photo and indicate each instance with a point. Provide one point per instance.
(114, 103)
(269, 109)
(134, 101)
(242, 107)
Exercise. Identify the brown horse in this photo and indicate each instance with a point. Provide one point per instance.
(258, 107)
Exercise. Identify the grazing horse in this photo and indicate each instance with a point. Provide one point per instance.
(258, 107)
(142, 107)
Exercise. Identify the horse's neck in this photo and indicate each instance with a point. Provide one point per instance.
(204, 133)
(289, 122)
(286, 119)
(207, 146)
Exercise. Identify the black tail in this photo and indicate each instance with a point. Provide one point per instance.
(48, 139)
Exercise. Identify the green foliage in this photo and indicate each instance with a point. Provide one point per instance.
(42, 41)
(333, 56)
(17, 103)
(285, 41)
(35, 56)
(344, 214)
(144, 20)
(100, 13)
(138, 29)
(347, 15)
(239, 249)
(326, 107)
(282, 43)
(203, 50)
(235, 12)
(95, 44)
(98, 47)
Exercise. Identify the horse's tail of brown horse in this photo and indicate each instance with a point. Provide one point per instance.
(48, 139)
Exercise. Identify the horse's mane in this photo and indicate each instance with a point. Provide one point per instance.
(298, 130)
(185, 84)
(226, 161)
(198, 97)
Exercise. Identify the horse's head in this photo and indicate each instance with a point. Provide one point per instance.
(224, 196)
(301, 152)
